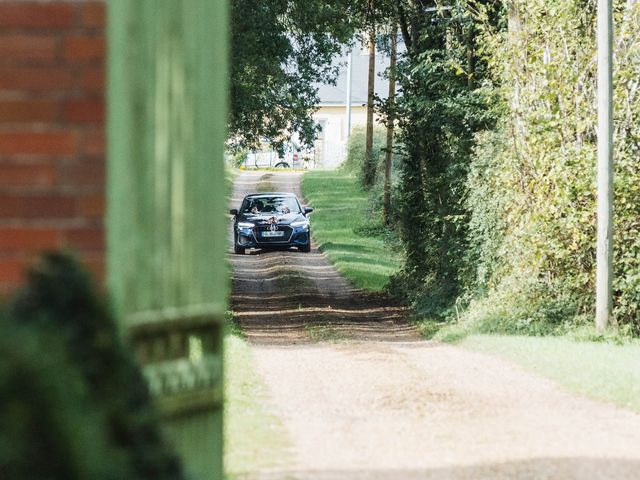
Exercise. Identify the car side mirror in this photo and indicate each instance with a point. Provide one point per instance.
(307, 210)
(233, 211)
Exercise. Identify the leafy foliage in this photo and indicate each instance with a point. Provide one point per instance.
(355, 162)
(533, 183)
(355, 165)
(49, 428)
(439, 112)
(280, 49)
(497, 193)
(82, 411)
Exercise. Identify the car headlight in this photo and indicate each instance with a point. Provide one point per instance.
(302, 225)
(245, 225)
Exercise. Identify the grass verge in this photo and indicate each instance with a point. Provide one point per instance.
(599, 370)
(341, 210)
(292, 281)
(254, 438)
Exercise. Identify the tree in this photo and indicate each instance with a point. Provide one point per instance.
(438, 112)
(388, 161)
(280, 50)
(369, 166)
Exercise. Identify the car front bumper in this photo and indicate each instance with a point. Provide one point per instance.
(251, 238)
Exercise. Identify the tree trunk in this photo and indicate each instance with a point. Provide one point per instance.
(369, 166)
(471, 59)
(388, 162)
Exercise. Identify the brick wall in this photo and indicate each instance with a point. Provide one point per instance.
(52, 168)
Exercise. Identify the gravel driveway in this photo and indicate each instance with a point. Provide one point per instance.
(363, 397)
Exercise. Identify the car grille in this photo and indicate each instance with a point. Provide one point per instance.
(283, 228)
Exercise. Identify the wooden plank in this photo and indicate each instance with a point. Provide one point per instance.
(166, 236)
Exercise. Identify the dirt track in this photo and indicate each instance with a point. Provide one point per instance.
(363, 397)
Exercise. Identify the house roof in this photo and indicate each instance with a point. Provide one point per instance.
(337, 94)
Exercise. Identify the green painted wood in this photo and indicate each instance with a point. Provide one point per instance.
(166, 240)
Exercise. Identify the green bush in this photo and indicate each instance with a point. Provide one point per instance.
(239, 157)
(49, 427)
(532, 184)
(354, 164)
(439, 111)
(73, 403)
(355, 161)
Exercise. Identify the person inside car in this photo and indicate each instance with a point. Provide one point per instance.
(257, 207)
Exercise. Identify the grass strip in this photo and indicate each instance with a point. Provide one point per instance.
(255, 439)
(598, 370)
(341, 208)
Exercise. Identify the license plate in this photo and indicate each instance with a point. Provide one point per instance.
(277, 233)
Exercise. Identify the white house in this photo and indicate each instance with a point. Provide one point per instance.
(331, 145)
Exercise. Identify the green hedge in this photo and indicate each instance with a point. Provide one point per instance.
(497, 191)
(532, 181)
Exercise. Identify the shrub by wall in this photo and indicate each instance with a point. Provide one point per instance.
(355, 161)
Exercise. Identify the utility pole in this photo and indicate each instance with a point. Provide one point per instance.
(388, 161)
(604, 261)
(348, 100)
(369, 165)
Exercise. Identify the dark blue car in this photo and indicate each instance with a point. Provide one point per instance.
(271, 220)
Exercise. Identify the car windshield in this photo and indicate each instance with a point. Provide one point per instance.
(280, 204)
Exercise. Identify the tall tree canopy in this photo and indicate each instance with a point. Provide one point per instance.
(279, 50)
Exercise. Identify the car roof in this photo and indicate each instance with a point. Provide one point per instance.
(270, 194)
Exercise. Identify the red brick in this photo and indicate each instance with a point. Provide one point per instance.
(27, 111)
(38, 143)
(12, 271)
(84, 111)
(85, 173)
(93, 79)
(36, 14)
(92, 206)
(34, 79)
(94, 143)
(84, 48)
(85, 238)
(41, 48)
(27, 174)
(28, 239)
(93, 14)
(20, 206)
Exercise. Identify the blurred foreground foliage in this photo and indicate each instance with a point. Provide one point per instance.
(73, 402)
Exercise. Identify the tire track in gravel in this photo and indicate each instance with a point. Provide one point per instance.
(377, 402)
(284, 296)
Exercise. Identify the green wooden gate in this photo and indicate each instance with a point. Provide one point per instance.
(166, 224)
